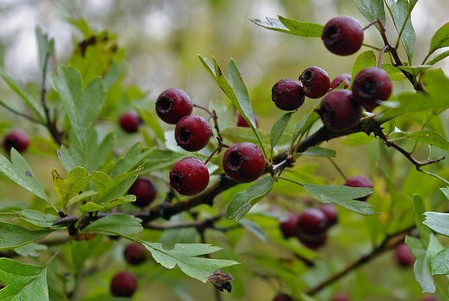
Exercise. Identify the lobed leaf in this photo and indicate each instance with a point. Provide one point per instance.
(71, 186)
(115, 224)
(438, 222)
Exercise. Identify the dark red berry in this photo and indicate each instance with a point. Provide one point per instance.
(343, 35)
(135, 253)
(342, 78)
(340, 297)
(313, 241)
(130, 121)
(312, 222)
(370, 85)
(287, 94)
(241, 122)
(283, 297)
(289, 227)
(144, 190)
(338, 111)
(330, 212)
(172, 105)
(16, 139)
(189, 176)
(429, 298)
(243, 162)
(316, 82)
(123, 284)
(359, 181)
(403, 256)
(192, 132)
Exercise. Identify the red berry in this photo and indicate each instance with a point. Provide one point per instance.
(144, 191)
(359, 181)
(192, 133)
(135, 253)
(189, 176)
(331, 214)
(289, 227)
(312, 222)
(343, 35)
(403, 255)
(370, 85)
(241, 122)
(316, 82)
(346, 78)
(313, 241)
(283, 297)
(340, 297)
(287, 94)
(16, 139)
(243, 162)
(429, 298)
(123, 284)
(130, 121)
(338, 111)
(172, 105)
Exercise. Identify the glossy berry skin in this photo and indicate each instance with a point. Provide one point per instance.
(359, 181)
(192, 133)
(330, 212)
(241, 122)
(172, 105)
(312, 222)
(189, 176)
(289, 227)
(288, 94)
(403, 256)
(342, 78)
(343, 35)
(16, 139)
(340, 297)
(144, 190)
(338, 111)
(283, 297)
(123, 284)
(135, 253)
(316, 82)
(370, 85)
(129, 121)
(243, 162)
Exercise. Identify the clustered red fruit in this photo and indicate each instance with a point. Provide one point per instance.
(283, 297)
(403, 256)
(189, 176)
(135, 253)
(288, 94)
(172, 105)
(192, 133)
(359, 181)
(123, 284)
(343, 35)
(243, 162)
(129, 121)
(370, 85)
(315, 81)
(338, 111)
(16, 139)
(341, 78)
(144, 190)
(311, 225)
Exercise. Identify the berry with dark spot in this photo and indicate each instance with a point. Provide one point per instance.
(338, 111)
(403, 256)
(288, 94)
(189, 176)
(135, 253)
(130, 121)
(343, 35)
(243, 162)
(359, 181)
(16, 139)
(315, 81)
(342, 78)
(370, 85)
(123, 284)
(192, 132)
(144, 190)
(172, 105)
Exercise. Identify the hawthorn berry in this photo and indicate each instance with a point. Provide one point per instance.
(129, 121)
(189, 176)
(144, 190)
(343, 35)
(313, 241)
(338, 111)
(243, 162)
(288, 94)
(241, 122)
(316, 82)
(172, 105)
(370, 85)
(330, 212)
(403, 256)
(342, 78)
(312, 222)
(16, 139)
(135, 253)
(123, 284)
(192, 132)
(289, 227)
(429, 298)
(359, 181)
(283, 297)
(340, 297)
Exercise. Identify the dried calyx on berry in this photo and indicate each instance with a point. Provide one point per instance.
(244, 162)
(189, 176)
(315, 81)
(371, 84)
(172, 105)
(192, 133)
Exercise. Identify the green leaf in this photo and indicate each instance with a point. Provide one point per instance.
(38, 218)
(20, 172)
(72, 185)
(290, 26)
(445, 191)
(305, 124)
(186, 257)
(372, 9)
(364, 60)
(30, 250)
(422, 264)
(13, 236)
(79, 197)
(159, 159)
(278, 129)
(415, 70)
(430, 138)
(92, 207)
(438, 222)
(150, 119)
(440, 263)
(419, 209)
(109, 189)
(438, 58)
(341, 195)
(394, 73)
(45, 46)
(115, 224)
(317, 151)
(134, 157)
(243, 201)
(237, 134)
(440, 39)
(23, 281)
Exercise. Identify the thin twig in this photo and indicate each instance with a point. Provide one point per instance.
(3, 104)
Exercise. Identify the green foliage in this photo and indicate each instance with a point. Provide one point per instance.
(290, 26)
